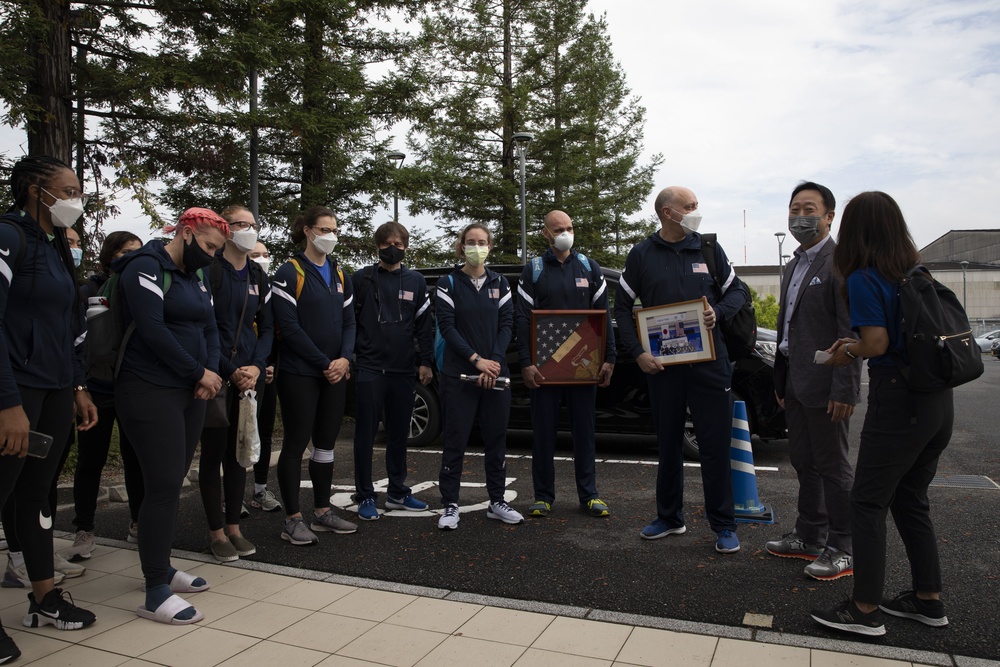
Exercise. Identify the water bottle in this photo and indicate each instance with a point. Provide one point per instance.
(95, 306)
(502, 382)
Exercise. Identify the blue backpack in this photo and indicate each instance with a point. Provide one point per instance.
(438, 338)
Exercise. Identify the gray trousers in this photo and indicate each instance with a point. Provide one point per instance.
(817, 449)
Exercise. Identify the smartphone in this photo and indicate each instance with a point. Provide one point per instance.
(39, 444)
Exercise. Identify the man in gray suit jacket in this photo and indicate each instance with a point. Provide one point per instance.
(818, 399)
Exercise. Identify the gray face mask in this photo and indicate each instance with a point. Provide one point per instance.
(805, 228)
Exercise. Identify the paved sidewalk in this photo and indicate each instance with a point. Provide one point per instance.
(260, 614)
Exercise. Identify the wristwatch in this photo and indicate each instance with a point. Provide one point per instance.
(476, 360)
(847, 351)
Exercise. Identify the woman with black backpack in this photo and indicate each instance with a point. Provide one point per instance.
(904, 432)
(241, 295)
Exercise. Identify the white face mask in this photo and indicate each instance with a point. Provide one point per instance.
(691, 221)
(563, 242)
(245, 239)
(65, 212)
(325, 244)
(265, 263)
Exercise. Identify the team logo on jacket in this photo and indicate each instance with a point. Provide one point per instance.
(405, 295)
(582, 282)
(699, 267)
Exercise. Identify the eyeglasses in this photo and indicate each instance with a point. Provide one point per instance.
(71, 193)
(240, 225)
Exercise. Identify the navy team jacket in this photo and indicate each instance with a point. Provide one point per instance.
(38, 315)
(561, 286)
(658, 273)
(318, 327)
(394, 310)
(253, 347)
(474, 321)
(175, 337)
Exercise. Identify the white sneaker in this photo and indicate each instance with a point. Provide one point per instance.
(83, 545)
(17, 577)
(133, 533)
(66, 568)
(504, 512)
(449, 520)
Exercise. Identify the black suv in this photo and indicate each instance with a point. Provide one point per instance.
(623, 407)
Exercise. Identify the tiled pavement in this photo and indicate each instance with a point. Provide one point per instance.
(258, 614)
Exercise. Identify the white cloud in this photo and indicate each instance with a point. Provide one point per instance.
(746, 99)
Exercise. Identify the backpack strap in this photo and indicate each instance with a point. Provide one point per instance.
(536, 268)
(300, 277)
(708, 241)
(360, 297)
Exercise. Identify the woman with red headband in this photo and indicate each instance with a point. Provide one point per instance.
(161, 392)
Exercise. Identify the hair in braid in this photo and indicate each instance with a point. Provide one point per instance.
(32, 170)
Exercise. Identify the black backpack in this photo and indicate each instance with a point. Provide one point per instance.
(740, 330)
(939, 342)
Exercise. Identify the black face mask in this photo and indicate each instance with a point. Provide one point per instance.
(195, 256)
(391, 255)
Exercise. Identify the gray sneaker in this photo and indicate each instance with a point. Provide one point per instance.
(266, 501)
(296, 532)
(328, 522)
(83, 545)
(243, 546)
(68, 569)
(133, 533)
(792, 546)
(224, 551)
(833, 564)
(504, 512)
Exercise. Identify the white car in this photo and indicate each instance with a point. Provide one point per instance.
(986, 341)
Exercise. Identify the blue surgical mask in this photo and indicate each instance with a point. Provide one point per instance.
(77, 256)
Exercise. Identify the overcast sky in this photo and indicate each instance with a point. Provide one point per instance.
(747, 99)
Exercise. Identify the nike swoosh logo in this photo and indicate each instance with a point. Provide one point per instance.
(148, 276)
(281, 284)
(44, 521)
(728, 388)
(4, 251)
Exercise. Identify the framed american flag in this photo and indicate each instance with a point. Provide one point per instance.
(568, 346)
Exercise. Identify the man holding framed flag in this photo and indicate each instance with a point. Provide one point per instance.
(566, 349)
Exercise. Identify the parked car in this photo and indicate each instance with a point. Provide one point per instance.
(987, 340)
(623, 407)
(995, 350)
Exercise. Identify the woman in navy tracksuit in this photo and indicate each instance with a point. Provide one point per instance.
(166, 376)
(40, 375)
(241, 296)
(314, 314)
(476, 319)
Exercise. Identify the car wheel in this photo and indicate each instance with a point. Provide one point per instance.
(690, 443)
(425, 422)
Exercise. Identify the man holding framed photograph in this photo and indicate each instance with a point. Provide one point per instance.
(667, 269)
(563, 280)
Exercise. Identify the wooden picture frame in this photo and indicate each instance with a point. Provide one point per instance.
(567, 346)
(676, 333)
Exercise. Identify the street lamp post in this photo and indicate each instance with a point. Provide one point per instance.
(396, 158)
(965, 265)
(781, 239)
(521, 140)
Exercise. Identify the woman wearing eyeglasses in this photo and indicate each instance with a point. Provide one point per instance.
(476, 319)
(40, 375)
(314, 314)
(241, 296)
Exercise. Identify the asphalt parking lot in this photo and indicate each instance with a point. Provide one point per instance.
(570, 558)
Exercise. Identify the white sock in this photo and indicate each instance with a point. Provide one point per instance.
(259, 488)
(17, 558)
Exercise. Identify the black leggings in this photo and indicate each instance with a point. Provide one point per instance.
(312, 408)
(27, 514)
(267, 411)
(163, 424)
(92, 448)
(218, 449)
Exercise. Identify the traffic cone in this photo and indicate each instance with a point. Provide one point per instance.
(747, 504)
